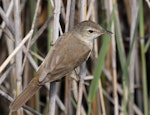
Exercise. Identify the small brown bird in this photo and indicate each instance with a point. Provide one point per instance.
(70, 50)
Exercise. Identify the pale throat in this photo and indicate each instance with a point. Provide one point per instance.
(87, 41)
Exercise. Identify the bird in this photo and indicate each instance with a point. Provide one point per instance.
(70, 51)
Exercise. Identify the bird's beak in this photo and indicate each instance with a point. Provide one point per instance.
(106, 32)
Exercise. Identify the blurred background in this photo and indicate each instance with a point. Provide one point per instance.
(116, 78)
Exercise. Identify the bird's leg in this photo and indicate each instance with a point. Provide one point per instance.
(76, 74)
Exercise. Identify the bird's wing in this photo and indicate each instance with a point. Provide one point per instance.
(63, 58)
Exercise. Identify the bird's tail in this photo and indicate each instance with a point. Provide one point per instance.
(26, 94)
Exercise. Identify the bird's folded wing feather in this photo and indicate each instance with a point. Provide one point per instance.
(62, 60)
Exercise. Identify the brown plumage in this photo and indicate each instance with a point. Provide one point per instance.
(70, 50)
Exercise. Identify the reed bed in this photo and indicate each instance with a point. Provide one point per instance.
(115, 79)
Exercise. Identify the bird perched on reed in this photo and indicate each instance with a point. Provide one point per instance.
(70, 50)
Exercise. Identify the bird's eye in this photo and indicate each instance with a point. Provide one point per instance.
(90, 31)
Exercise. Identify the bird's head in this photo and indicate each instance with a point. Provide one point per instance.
(88, 30)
